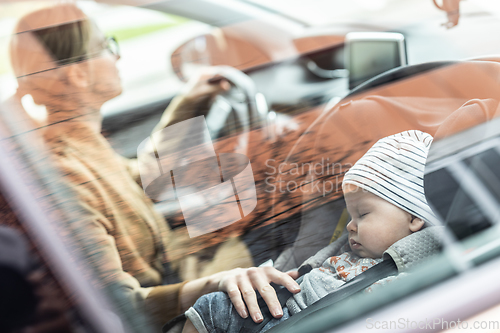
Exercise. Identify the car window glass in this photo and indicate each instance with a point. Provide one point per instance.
(282, 179)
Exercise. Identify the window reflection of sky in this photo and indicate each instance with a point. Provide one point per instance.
(325, 12)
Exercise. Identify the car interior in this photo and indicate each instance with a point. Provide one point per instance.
(309, 94)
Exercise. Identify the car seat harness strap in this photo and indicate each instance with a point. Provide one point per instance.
(380, 271)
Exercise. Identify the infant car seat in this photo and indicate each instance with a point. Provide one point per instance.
(402, 256)
(412, 97)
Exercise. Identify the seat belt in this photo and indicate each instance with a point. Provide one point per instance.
(373, 274)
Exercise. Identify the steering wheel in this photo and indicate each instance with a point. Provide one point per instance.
(238, 110)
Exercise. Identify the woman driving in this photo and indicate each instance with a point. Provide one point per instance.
(64, 62)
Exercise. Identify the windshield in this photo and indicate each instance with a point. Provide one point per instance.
(387, 12)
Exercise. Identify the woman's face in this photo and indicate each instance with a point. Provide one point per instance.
(104, 79)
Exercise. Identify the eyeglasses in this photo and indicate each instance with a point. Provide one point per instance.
(112, 46)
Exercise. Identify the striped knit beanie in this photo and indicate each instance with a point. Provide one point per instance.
(393, 169)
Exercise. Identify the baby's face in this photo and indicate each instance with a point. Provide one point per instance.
(375, 223)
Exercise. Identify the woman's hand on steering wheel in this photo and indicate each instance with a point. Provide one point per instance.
(205, 85)
(201, 88)
(240, 284)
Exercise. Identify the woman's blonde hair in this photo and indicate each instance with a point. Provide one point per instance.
(43, 41)
(62, 31)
